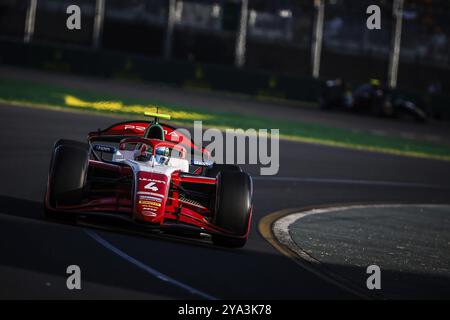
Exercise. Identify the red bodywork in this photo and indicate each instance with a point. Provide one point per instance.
(128, 198)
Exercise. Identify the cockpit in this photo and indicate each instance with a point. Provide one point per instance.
(152, 152)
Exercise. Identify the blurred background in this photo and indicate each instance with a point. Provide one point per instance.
(283, 49)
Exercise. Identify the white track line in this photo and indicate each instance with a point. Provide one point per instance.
(153, 272)
(352, 182)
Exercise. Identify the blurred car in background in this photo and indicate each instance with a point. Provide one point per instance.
(370, 99)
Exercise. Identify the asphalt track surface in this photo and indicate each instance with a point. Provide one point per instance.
(414, 237)
(34, 252)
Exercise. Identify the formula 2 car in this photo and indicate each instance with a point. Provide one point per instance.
(369, 99)
(140, 171)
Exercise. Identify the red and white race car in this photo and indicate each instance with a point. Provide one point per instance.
(140, 171)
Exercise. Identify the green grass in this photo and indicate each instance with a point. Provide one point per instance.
(40, 95)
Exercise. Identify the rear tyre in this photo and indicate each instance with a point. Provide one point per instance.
(233, 207)
(68, 171)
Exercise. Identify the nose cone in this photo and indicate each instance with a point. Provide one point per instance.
(151, 196)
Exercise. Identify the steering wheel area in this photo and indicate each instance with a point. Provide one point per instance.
(146, 149)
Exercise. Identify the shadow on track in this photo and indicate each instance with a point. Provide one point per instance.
(49, 247)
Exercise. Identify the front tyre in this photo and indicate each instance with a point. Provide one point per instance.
(233, 208)
(68, 171)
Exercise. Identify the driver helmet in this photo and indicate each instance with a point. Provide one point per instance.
(162, 155)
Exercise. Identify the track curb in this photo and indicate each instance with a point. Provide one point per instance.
(302, 258)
